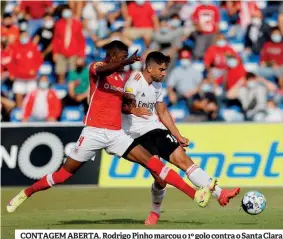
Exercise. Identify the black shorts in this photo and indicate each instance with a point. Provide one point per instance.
(158, 142)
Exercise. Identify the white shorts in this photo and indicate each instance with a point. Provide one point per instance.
(92, 139)
(24, 86)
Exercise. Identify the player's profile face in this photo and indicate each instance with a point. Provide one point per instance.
(121, 56)
(157, 72)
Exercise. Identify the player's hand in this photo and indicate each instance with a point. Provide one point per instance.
(133, 58)
(141, 112)
(184, 142)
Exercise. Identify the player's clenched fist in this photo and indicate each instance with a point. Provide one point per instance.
(183, 141)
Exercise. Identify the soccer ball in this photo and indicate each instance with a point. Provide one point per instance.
(253, 202)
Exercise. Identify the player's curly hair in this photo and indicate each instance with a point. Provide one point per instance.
(157, 57)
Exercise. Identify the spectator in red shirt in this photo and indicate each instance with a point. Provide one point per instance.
(8, 29)
(206, 18)
(271, 60)
(215, 56)
(234, 72)
(141, 20)
(26, 59)
(34, 12)
(42, 104)
(6, 58)
(68, 43)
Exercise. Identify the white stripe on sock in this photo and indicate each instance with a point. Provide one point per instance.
(49, 179)
(165, 170)
(191, 169)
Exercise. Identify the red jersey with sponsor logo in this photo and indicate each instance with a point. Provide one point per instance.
(105, 106)
(207, 17)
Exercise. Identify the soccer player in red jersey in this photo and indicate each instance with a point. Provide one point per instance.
(103, 130)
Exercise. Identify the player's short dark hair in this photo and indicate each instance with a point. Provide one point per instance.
(157, 57)
(250, 75)
(115, 46)
(276, 28)
(7, 15)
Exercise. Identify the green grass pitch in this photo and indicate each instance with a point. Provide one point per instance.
(96, 208)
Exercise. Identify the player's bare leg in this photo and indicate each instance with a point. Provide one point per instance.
(69, 168)
(199, 177)
(140, 155)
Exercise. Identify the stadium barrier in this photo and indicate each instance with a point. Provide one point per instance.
(29, 151)
(236, 154)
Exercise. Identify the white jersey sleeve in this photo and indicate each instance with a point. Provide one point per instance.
(132, 86)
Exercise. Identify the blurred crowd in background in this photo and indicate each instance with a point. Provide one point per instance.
(226, 56)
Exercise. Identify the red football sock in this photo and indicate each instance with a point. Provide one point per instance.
(170, 176)
(48, 181)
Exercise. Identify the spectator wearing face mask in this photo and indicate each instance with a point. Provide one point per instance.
(141, 21)
(204, 108)
(169, 38)
(42, 104)
(273, 112)
(68, 43)
(233, 73)
(206, 18)
(258, 32)
(26, 59)
(183, 81)
(43, 37)
(169, 35)
(78, 85)
(215, 56)
(8, 30)
(252, 92)
(271, 60)
(34, 11)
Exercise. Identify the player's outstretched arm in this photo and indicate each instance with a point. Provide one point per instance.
(109, 68)
(167, 120)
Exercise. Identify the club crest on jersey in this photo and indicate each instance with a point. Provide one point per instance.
(137, 77)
